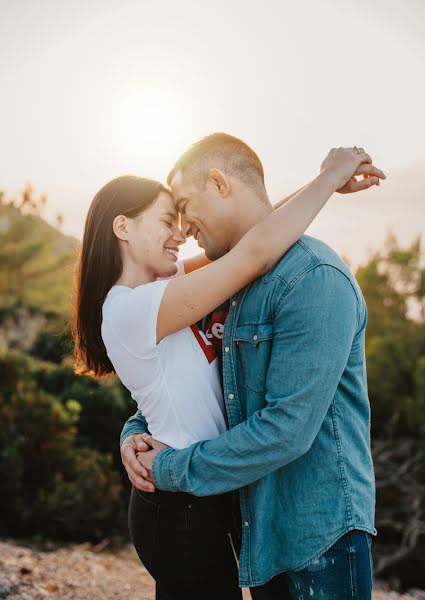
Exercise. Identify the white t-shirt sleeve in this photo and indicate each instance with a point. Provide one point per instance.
(133, 317)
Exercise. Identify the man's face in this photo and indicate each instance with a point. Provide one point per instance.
(205, 214)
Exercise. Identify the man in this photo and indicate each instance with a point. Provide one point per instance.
(298, 444)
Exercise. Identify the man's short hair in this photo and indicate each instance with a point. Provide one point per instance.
(224, 152)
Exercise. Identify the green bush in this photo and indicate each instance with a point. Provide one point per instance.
(51, 482)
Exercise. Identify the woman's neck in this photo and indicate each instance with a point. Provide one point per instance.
(133, 276)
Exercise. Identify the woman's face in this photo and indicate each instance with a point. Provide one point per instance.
(154, 237)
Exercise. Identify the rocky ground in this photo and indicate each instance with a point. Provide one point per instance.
(87, 572)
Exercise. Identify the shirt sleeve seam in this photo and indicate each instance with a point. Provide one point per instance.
(301, 274)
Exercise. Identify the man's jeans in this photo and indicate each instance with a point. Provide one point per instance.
(344, 572)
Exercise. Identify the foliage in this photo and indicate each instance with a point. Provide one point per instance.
(393, 284)
(56, 479)
(36, 259)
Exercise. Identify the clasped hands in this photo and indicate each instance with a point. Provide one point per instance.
(138, 452)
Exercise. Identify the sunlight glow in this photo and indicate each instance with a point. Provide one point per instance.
(153, 126)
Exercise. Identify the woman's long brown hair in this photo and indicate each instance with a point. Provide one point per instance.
(99, 266)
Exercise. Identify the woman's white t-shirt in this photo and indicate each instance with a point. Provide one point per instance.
(175, 383)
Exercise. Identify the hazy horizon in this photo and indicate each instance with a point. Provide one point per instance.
(96, 89)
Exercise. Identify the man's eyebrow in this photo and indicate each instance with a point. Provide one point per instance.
(172, 214)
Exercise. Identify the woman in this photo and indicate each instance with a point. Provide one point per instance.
(128, 322)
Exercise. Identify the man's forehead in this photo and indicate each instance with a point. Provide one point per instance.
(181, 189)
(177, 180)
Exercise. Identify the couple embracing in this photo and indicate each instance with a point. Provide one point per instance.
(249, 453)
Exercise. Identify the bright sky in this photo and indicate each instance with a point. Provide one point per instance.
(92, 89)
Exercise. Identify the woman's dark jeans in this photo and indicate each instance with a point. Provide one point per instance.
(184, 543)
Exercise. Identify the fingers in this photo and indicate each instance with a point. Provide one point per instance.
(153, 443)
(362, 184)
(369, 170)
(141, 445)
(137, 473)
(131, 463)
(148, 439)
(364, 157)
(142, 484)
(129, 458)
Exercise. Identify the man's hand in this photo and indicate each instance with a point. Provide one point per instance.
(340, 161)
(137, 474)
(146, 458)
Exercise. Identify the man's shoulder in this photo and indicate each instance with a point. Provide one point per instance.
(305, 255)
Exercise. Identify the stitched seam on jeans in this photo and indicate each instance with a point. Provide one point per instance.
(139, 494)
(369, 549)
(352, 565)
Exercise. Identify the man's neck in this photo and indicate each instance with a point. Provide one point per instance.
(251, 210)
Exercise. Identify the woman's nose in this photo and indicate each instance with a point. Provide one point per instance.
(179, 237)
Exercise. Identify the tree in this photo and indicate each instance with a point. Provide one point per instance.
(393, 284)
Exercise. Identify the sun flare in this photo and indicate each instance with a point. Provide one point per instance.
(154, 127)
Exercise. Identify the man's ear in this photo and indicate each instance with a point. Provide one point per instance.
(119, 227)
(219, 181)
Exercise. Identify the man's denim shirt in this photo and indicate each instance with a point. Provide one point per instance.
(298, 444)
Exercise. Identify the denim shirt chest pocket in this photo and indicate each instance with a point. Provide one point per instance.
(253, 348)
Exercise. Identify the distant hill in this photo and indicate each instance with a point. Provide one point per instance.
(36, 261)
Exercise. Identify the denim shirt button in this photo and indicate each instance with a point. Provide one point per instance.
(234, 303)
(231, 396)
(255, 337)
(246, 524)
(227, 349)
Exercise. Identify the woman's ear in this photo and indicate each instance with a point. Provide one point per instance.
(219, 181)
(120, 227)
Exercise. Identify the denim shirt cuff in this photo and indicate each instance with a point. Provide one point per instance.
(163, 470)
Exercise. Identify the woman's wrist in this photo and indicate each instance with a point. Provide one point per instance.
(328, 180)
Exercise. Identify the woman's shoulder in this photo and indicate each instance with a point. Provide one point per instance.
(122, 294)
(132, 314)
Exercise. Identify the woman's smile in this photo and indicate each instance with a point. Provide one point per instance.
(172, 251)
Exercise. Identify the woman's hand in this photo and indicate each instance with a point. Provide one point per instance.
(344, 164)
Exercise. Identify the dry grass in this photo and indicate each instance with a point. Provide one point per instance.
(84, 572)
